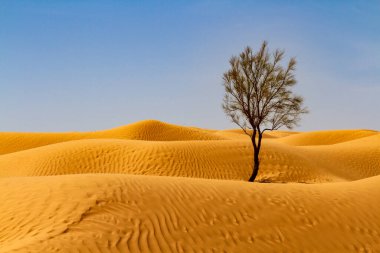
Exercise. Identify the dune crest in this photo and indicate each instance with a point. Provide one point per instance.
(148, 130)
(326, 137)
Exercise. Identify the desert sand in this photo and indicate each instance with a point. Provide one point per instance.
(157, 187)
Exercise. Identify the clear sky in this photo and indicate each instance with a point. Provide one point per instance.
(71, 65)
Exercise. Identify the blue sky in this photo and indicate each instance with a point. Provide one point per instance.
(88, 65)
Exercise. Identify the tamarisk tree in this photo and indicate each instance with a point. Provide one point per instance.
(259, 97)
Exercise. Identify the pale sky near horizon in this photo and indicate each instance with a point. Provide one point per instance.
(91, 65)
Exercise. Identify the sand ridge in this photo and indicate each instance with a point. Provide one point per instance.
(326, 137)
(150, 130)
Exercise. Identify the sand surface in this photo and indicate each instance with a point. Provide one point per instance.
(156, 187)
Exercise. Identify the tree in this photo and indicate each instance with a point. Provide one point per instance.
(259, 97)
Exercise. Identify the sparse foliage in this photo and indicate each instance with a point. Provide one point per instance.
(258, 95)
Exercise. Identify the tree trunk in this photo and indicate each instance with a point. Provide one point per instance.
(256, 151)
(256, 164)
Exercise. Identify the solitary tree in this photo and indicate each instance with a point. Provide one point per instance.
(259, 97)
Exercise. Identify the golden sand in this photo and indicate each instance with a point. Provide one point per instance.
(100, 191)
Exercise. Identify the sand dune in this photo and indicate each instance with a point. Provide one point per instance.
(326, 137)
(149, 130)
(123, 213)
(75, 192)
(214, 159)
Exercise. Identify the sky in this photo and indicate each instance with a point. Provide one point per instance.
(81, 65)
